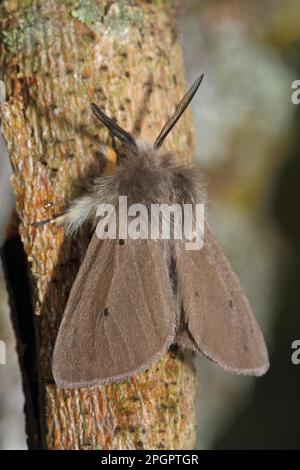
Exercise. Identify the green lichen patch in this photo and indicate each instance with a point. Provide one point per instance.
(15, 36)
(118, 19)
(88, 12)
(121, 17)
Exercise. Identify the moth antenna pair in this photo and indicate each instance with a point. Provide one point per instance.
(127, 139)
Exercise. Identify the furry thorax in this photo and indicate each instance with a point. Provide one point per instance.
(147, 177)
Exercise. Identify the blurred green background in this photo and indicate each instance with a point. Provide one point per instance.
(247, 140)
(247, 137)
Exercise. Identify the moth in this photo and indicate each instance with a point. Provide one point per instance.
(133, 298)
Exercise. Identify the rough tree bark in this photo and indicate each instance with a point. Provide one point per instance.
(57, 57)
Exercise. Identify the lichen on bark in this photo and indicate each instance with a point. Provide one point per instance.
(55, 59)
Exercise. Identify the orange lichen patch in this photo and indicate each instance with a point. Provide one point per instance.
(111, 159)
(145, 412)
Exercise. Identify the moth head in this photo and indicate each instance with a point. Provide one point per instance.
(129, 146)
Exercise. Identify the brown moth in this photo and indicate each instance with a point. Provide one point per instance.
(133, 298)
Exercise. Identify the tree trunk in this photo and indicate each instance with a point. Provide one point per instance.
(56, 58)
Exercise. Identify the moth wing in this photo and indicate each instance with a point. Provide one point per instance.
(119, 317)
(217, 315)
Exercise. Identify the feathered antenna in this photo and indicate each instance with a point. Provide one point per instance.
(115, 129)
(178, 112)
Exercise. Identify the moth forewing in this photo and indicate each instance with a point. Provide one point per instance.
(120, 316)
(217, 316)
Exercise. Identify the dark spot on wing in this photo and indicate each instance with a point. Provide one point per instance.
(230, 303)
(105, 312)
(196, 294)
(121, 242)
